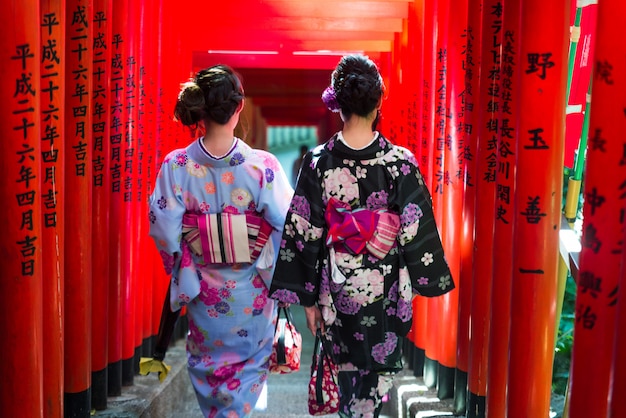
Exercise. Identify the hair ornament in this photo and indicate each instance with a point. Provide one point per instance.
(330, 99)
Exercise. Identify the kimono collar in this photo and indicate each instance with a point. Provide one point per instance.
(199, 154)
(336, 146)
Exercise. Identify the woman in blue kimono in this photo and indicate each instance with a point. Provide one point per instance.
(216, 216)
(359, 241)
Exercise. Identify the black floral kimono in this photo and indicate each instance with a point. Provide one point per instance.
(359, 241)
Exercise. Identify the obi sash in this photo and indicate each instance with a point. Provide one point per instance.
(360, 231)
(225, 237)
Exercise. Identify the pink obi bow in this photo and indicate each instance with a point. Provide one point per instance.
(360, 230)
(226, 237)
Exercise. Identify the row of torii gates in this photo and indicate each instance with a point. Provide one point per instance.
(86, 99)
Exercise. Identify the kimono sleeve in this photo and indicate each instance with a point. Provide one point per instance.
(297, 275)
(420, 244)
(166, 211)
(275, 195)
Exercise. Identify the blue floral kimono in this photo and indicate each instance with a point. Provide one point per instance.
(230, 315)
(359, 241)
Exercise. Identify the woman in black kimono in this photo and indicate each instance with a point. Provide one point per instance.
(359, 241)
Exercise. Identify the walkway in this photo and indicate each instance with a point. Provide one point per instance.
(286, 394)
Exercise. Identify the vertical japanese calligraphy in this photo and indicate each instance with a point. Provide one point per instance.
(427, 165)
(536, 212)
(504, 129)
(471, 66)
(101, 108)
(428, 95)
(21, 245)
(601, 268)
(486, 122)
(78, 204)
(444, 150)
(453, 178)
(52, 87)
(504, 212)
(129, 190)
(117, 126)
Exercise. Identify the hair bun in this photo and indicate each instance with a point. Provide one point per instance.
(191, 105)
(214, 95)
(358, 85)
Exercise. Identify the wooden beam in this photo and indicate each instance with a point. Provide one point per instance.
(322, 9)
(277, 61)
(262, 43)
(302, 23)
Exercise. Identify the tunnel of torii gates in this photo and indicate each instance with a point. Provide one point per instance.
(490, 95)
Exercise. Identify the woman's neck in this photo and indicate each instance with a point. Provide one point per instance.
(357, 132)
(218, 141)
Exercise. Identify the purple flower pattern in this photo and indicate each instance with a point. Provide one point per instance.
(382, 350)
(377, 200)
(373, 306)
(410, 214)
(237, 159)
(299, 205)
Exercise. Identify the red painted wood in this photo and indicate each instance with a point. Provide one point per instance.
(454, 160)
(101, 118)
(78, 204)
(600, 258)
(21, 245)
(159, 279)
(414, 67)
(466, 236)
(52, 88)
(617, 403)
(118, 119)
(129, 192)
(449, 83)
(488, 117)
(427, 163)
(538, 206)
(504, 212)
(147, 146)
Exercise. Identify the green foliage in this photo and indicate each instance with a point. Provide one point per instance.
(565, 340)
(565, 336)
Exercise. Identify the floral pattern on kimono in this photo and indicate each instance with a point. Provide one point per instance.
(230, 315)
(369, 310)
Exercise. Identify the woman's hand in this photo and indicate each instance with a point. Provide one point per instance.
(313, 319)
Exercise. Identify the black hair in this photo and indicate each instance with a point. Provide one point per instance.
(213, 95)
(358, 85)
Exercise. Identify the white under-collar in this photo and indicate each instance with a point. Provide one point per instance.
(232, 147)
(342, 139)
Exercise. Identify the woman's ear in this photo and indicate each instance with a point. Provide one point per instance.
(240, 107)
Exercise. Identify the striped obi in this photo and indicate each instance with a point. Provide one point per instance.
(360, 231)
(225, 237)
